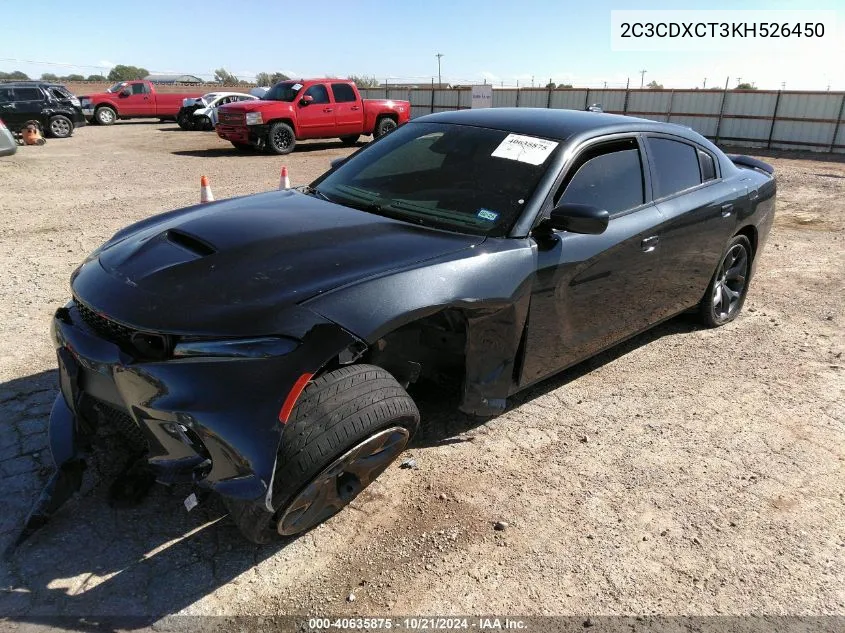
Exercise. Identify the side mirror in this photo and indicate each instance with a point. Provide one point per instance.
(306, 100)
(578, 218)
(125, 92)
(337, 162)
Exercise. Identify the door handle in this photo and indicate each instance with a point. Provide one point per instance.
(649, 243)
(327, 110)
(727, 209)
(354, 108)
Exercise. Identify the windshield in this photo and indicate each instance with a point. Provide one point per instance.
(117, 87)
(208, 97)
(458, 177)
(285, 91)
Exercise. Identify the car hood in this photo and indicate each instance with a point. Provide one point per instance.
(233, 264)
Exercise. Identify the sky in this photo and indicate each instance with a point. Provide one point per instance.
(500, 41)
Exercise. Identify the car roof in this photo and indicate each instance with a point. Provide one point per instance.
(31, 84)
(550, 123)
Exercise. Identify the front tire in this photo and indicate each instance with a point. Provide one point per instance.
(728, 288)
(281, 139)
(346, 429)
(202, 123)
(60, 126)
(104, 115)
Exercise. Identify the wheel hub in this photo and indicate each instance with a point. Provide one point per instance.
(340, 482)
(730, 282)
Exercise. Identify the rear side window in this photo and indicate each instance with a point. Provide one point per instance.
(6, 95)
(59, 94)
(610, 177)
(139, 89)
(708, 166)
(319, 92)
(28, 94)
(675, 166)
(343, 93)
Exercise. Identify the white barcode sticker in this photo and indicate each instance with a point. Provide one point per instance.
(525, 149)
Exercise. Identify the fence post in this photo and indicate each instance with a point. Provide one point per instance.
(774, 119)
(517, 97)
(587, 99)
(432, 95)
(838, 123)
(549, 100)
(669, 110)
(721, 111)
(627, 86)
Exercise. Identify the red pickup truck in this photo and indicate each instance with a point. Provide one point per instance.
(132, 100)
(308, 108)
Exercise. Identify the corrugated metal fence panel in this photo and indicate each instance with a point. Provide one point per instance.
(840, 140)
(533, 98)
(704, 125)
(652, 101)
(418, 111)
(811, 133)
(750, 103)
(569, 99)
(446, 100)
(697, 102)
(610, 100)
(756, 130)
(504, 98)
(374, 93)
(419, 97)
(809, 106)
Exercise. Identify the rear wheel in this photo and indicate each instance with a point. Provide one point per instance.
(202, 123)
(280, 138)
(385, 125)
(727, 290)
(350, 140)
(60, 126)
(183, 119)
(346, 429)
(104, 115)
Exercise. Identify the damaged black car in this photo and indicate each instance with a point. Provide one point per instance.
(264, 348)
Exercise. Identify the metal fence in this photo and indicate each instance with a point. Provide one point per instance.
(777, 119)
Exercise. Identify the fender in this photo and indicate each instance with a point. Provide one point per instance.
(490, 285)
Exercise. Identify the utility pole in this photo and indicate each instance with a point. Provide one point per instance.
(532, 81)
(642, 77)
(439, 80)
(704, 85)
(605, 85)
(783, 85)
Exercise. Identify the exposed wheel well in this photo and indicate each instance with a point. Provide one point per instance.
(286, 121)
(751, 233)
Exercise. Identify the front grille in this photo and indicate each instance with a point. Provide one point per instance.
(230, 118)
(112, 418)
(105, 327)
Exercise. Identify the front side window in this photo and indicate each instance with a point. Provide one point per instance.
(117, 87)
(455, 177)
(608, 176)
(675, 166)
(139, 89)
(343, 93)
(319, 93)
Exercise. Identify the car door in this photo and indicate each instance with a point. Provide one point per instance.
(317, 118)
(349, 114)
(592, 291)
(28, 105)
(8, 111)
(139, 101)
(700, 211)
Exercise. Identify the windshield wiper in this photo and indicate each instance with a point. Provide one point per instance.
(308, 189)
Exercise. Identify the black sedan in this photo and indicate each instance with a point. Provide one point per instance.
(264, 347)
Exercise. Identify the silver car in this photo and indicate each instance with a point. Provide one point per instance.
(8, 145)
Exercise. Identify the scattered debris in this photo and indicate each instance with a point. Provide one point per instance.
(500, 526)
(350, 597)
(409, 463)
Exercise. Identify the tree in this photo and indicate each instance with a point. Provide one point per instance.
(223, 76)
(551, 85)
(127, 73)
(96, 78)
(653, 85)
(745, 86)
(364, 81)
(49, 77)
(16, 74)
(269, 79)
(564, 85)
(73, 77)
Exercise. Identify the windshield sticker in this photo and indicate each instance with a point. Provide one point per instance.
(296, 87)
(525, 149)
(487, 214)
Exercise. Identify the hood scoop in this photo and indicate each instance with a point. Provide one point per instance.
(190, 242)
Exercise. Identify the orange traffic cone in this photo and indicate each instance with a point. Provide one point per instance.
(284, 181)
(205, 191)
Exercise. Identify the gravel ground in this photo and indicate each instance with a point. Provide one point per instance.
(688, 471)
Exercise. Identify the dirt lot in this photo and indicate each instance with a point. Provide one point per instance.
(688, 472)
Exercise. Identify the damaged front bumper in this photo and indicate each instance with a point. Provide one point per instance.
(209, 421)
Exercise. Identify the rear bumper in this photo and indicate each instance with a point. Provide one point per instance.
(211, 422)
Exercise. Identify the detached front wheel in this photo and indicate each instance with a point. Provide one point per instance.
(280, 138)
(347, 428)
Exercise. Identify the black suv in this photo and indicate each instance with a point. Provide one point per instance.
(51, 105)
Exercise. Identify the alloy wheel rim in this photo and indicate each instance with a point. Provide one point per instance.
(60, 127)
(282, 139)
(339, 483)
(105, 116)
(730, 282)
